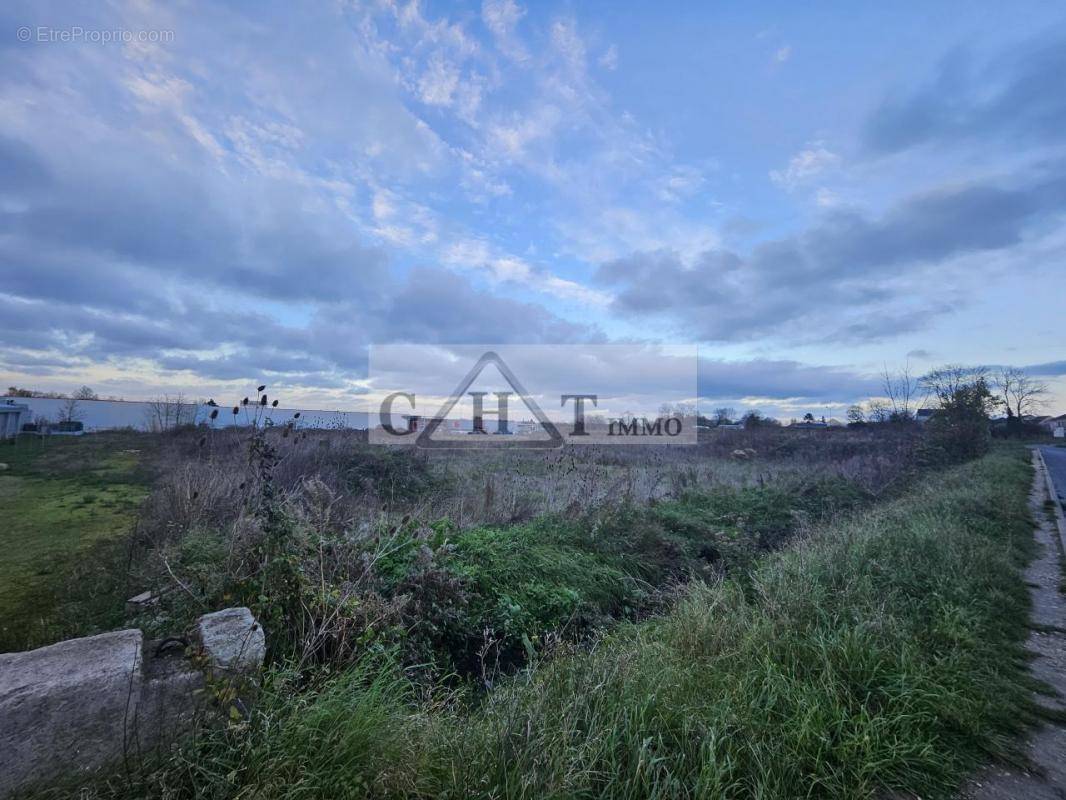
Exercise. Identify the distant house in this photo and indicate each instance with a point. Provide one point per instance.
(923, 415)
(413, 423)
(12, 415)
(808, 426)
(1056, 426)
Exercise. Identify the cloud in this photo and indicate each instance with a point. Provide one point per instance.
(826, 198)
(439, 82)
(723, 380)
(502, 268)
(112, 211)
(1050, 368)
(1015, 96)
(438, 306)
(806, 164)
(224, 219)
(241, 202)
(501, 17)
(609, 59)
(568, 44)
(219, 343)
(511, 137)
(680, 183)
(848, 275)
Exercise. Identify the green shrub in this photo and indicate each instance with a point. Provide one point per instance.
(394, 475)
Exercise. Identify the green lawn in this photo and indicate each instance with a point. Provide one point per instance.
(67, 505)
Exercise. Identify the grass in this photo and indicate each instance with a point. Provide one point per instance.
(883, 654)
(67, 504)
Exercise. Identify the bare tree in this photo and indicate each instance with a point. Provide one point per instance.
(1018, 392)
(945, 383)
(85, 393)
(677, 409)
(901, 388)
(70, 410)
(877, 411)
(723, 416)
(856, 416)
(168, 412)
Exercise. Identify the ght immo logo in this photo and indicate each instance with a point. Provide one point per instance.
(571, 394)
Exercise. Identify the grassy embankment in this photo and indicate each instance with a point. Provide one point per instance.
(883, 653)
(66, 505)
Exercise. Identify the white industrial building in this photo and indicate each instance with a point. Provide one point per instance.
(103, 415)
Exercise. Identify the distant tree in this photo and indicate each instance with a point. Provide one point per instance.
(808, 417)
(70, 410)
(856, 416)
(85, 393)
(755, 419)
(1020, 394)
(944, 383)
(959, 430)
(901, 388)
(14, 391)
(877, 411)
(169, 412)
(752, 419)
(724, 416)
(677, 410)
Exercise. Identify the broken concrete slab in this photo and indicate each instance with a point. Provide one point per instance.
(173, 699)
(68, 708)
(140, 602)
(79, 706)
(231, 640)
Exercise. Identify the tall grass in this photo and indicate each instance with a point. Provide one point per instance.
(882, 654)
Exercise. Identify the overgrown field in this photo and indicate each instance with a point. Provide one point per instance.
(468, 565)
(774, 633)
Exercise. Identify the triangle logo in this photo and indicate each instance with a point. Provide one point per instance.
(426, 440)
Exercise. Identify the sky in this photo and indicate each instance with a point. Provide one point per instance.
(199, 198)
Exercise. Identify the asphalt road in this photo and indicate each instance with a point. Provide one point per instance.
(1055, 458)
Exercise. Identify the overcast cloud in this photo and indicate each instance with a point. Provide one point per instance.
(269, 191)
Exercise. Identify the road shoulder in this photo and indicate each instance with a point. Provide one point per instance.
(1045, 775)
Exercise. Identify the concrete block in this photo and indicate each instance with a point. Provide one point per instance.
(231, 640)
(79, 706)
(173, 701)
(67, 709)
